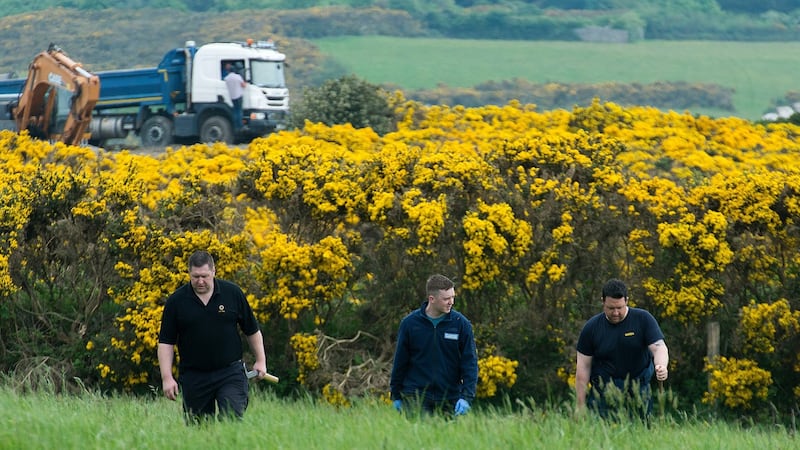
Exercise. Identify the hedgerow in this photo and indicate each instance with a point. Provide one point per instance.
(332, 230)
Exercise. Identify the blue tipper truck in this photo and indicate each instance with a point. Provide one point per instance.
(185, 99)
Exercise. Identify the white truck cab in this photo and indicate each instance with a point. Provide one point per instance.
(266, 97)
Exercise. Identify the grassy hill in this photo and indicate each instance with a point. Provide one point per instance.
(115, 38)
(112, 39)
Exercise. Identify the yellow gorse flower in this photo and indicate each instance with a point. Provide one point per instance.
(305, 349)
(494, 371)
(737, 383)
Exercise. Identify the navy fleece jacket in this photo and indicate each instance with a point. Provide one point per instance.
(438, 362)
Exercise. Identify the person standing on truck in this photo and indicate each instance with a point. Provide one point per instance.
(236, 85)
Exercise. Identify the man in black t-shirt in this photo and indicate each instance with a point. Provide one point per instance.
(203, 319)
(620, 348)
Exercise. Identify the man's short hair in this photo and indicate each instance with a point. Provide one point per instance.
(200, 258)
(437, 283)
(614, 288)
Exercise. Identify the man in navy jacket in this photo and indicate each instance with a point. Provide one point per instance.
(435, 363)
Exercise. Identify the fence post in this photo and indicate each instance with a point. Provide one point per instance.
(712, 345)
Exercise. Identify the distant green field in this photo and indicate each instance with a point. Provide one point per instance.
(759, 72)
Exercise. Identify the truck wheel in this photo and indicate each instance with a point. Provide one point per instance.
(216, 129)
(156, 132)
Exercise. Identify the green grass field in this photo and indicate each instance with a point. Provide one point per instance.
(759, 72)
(47, 421)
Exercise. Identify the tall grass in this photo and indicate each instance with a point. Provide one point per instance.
(758, 71)
(92, 421)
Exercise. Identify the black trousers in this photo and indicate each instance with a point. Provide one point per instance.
(225, 389)
(633, 397)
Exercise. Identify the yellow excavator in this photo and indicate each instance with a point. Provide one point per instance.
(57, 99)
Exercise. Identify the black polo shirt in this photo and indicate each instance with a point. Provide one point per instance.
(207, 336)
(619, 350)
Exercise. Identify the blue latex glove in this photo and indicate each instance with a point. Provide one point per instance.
(462, 407)
(398, 405)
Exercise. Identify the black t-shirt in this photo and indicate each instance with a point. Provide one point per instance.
(619, 350)
(207, 336)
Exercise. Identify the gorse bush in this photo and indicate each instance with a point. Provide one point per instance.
(738, 383)
(332, 230)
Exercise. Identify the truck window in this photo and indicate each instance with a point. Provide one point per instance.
(238, 67)
(267, 73)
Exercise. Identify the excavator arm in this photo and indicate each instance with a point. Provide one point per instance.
(57, 99)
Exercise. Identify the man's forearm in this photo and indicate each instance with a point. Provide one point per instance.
(166, 354)
(583, 369)
(660, 354)
(581, 385)
(256, 342)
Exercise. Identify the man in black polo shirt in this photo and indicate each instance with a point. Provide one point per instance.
(619, 351)
(203, 318)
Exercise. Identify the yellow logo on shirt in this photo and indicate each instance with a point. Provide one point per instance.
(629, 334)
